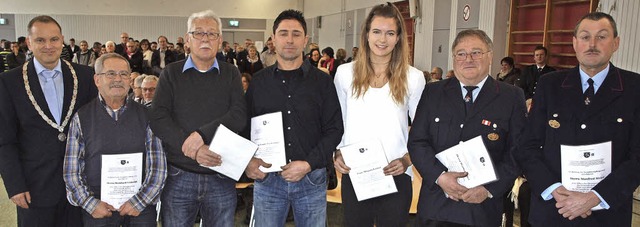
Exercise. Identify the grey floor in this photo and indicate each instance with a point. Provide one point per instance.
(334, 213)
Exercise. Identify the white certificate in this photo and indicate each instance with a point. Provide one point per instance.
(267, 133)
(121, 178)
(583, 167)
(235, 150)
(367, 160)
(472, 157)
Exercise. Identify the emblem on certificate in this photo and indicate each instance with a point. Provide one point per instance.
(554, 124)
(493, 136)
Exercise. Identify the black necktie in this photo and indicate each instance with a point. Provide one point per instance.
(539, 70)
(588, 94)
(468, 98)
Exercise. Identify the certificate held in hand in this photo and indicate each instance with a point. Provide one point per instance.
(367, 161)
(236, 152)
(267, 133)
(121, 177)
(472, 157)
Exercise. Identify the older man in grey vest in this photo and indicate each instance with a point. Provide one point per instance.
(114, 166)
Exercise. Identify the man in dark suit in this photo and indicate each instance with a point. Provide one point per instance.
(134, 56)
(531, 74)
(72, 48)
(593, 103)
(122, 47)
(162, 56)
(468, 105)
(226, 55)
(35, 107)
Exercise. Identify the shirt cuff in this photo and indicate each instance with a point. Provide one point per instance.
(90, 205)
(445, 194)
(603, 203)
(546, 194)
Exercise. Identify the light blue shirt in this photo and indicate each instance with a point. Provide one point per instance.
(189, 64)
(475, 91)
(597, 79)
(57, 80)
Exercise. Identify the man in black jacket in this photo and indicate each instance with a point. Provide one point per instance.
(36, 104)
(531, 74)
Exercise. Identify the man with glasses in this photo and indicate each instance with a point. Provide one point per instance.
(435, 75)
(468, 105)
(36, 104)
(192, 99)
(113, 125)
(148, 88)
(122, 47)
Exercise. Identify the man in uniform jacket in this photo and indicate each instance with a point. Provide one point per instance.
(468, 105)
(593, 103)
(531, 74)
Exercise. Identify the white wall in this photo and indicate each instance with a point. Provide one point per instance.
(625, 13)
(105, 20)
(236, 8)
(314, 8)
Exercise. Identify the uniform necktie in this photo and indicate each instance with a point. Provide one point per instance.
(588, 94)
(468, 98)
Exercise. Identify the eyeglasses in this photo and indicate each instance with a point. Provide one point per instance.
(149, 89)
(475, 55)
(200, 35)
(125, 75)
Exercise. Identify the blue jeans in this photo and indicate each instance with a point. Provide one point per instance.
(186, 193)
(308, 197)
(147, 218)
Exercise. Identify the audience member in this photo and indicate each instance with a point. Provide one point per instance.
(252, 63)
(162, 56)
(16, 58)
(268, 57)
(508, 73)
(84, 56)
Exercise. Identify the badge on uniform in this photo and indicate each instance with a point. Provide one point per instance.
(486, 122)
(554, 124)
(493, 136)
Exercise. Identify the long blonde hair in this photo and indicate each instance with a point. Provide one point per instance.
(397, 69)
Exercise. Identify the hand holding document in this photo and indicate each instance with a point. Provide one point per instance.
(267, 133)
(367, 159)
(472, 157)
(121, 177)
(235, 151)
(583, 167)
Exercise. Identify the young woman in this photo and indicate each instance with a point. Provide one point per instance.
(378, 92)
